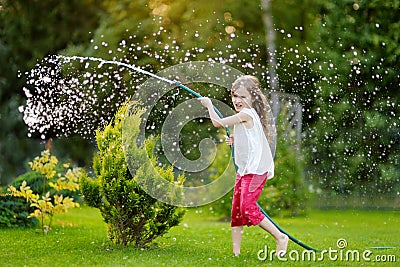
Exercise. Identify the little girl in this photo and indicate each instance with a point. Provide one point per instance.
(253, 158)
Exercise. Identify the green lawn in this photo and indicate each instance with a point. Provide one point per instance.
(79, 239)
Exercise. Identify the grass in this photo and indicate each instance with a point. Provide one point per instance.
(79, 239)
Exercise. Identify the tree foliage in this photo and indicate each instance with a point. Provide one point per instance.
(355, 141)
(29, 30)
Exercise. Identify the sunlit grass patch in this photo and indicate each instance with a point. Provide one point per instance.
(79, 239)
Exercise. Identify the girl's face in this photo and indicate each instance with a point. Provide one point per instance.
(241, 98)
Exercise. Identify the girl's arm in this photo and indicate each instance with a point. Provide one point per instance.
(223, 122)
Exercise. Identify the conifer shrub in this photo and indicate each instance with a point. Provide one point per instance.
(14, 212)
(132, 216)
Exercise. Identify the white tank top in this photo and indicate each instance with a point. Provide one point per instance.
(252, 152)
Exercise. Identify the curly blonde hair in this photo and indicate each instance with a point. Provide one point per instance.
(259, 103)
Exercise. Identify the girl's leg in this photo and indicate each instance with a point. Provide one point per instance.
(237, 218)
(237, 232)
(280, 238)
(252, 212)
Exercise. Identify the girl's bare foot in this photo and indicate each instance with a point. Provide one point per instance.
(281, 245)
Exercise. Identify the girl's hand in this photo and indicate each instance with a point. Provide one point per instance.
(229, 140)
(206, 102)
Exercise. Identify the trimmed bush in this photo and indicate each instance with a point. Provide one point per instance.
(14, 212)
(132, 216)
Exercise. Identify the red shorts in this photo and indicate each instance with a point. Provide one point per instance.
(244, 201)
